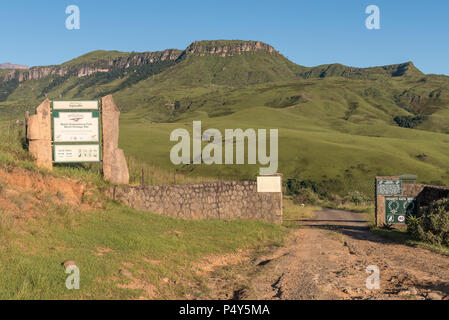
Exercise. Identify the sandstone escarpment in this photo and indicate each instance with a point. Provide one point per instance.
(226, 48)
(222, 48)
(84, 69)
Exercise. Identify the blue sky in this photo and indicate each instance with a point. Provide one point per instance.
(307, 32)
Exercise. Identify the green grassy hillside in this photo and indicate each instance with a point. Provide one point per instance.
(121, 253)
(338, 126)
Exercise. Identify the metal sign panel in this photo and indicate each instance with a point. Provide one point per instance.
(76, 126)
(397, 208)
(74, 153)
(76, 105)
(389, 187)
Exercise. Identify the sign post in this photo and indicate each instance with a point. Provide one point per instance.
(68, 132)
(389, 187)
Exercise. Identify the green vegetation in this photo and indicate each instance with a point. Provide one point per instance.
(405, 238)
(102, 242)
(293, 211)
(307, 193)
(431, 223)
(353, 106)
(13, 154)
(409, 121)
(12, 147)
(7, 87)
(121, 253)
(339, 126)
(95, 56)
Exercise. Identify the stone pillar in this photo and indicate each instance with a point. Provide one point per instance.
(39, 135)
(115, 168)
(379, 208)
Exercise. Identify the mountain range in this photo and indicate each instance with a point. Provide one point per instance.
(391, 118)
(202, 64)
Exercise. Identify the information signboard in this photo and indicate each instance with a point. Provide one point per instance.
(73, 153)
(389, 187)
(76, 127)
(397, 208)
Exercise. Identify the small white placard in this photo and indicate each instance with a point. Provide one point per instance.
(269, 184)
(75, 127)
(77, 153)
(75, 105)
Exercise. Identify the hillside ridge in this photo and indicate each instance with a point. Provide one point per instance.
(79, 68)
(8, 65)
(105, 61)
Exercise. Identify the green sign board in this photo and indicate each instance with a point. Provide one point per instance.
(76, 131)
(389, 187)
(397, 208)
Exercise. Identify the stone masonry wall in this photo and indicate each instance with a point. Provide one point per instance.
(224, 200)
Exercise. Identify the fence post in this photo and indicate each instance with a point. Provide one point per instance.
(27, 118)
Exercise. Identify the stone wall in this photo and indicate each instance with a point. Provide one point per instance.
(225, 200)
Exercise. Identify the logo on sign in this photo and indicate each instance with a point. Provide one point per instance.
(76, 117)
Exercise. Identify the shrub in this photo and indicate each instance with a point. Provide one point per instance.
(283, 102)
(295, 186)
(357, 198)
(292, 186)
(353, 106)
(409, 121)
(431, 224)
(306, 196)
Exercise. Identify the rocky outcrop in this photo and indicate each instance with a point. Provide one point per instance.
(226, 48)
(84, 69)
(146, 58)
(222, 48)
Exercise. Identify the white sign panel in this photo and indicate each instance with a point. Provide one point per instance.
(75, 105)
(269, 184)
(76, 127)
(77, 153)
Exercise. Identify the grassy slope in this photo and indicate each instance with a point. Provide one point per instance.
(315, 141)
(150, 246)
(103, 240)
(260, 91)
(95, 56)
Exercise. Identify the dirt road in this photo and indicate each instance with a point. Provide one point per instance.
(328, 258)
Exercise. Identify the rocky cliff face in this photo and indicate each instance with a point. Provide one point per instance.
(226, 48)
(222, 48)
(84, 69)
